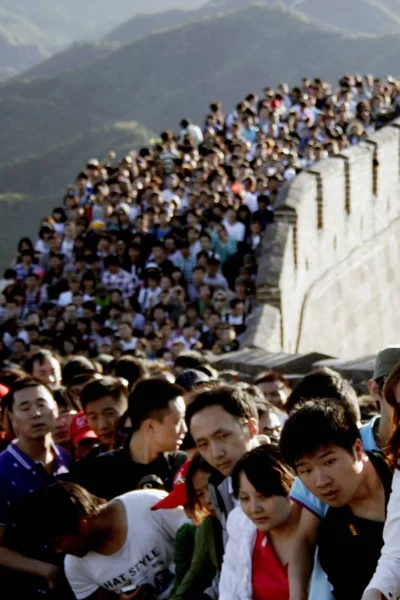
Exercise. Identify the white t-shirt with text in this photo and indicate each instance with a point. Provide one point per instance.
(146, 556)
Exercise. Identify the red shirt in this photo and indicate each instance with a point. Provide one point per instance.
(269, 577)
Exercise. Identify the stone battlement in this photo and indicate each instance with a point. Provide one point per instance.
(328, 280)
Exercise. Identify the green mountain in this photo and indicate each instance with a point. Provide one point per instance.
(160, 79)
(79, 55)
(150, 81)
(58, 167)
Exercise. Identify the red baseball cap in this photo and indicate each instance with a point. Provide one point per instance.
(80, 429)
(179, 495)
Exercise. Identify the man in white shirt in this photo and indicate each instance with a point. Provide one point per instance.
(109, 546)
(194, 131)
(235, 228)
(65, 298)
(126, 338)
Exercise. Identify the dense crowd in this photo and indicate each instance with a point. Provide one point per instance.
(129, 467)
(158, 254)
(121, 480)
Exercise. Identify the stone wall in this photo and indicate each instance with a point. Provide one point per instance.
(328, 264)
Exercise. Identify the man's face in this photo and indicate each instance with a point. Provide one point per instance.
(103, 416)
(48, 372)
(231, 216)
(158, 253)
(34, 412)
(269, 424)
(170, 432)
(31, 282)
(238, 309)
(332, 474)
(198, 277)
(205, 243)
(61, 433)
(275, 392)
(188, 333)
(212, 270)
(125, 331)
(220, 438)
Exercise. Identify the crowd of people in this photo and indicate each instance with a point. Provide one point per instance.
(157, 254)
(129, 467)
(118, 479)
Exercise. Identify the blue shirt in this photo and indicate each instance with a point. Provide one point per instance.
(20, 475)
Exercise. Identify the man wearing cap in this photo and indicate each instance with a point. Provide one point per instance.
(375, 435)
(83, 438)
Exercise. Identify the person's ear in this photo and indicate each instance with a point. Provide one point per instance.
(358, 449)
(374, 390)
(253, 428)
(148, 425)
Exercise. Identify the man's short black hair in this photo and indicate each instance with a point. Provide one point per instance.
(150, 399)
(314, 425)
(324, 383)
(111, 261)
(130, 368)
(99, 388)
(39, 357)
(190, 360)
(76, 365)
(234, 400)
(18, 386)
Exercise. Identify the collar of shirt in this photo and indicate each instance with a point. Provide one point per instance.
(60, 465)
(230, 490)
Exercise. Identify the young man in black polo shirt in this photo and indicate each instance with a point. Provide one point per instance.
(149, 458)
(321, 441)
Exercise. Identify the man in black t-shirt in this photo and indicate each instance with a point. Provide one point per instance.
(321, 441)
(149, 458)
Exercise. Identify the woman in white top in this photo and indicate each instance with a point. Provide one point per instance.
(385, 584)
(261, 530)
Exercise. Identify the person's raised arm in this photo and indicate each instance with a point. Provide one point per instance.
(302, 559)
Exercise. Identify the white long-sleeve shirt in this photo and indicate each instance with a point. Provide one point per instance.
(387, 574)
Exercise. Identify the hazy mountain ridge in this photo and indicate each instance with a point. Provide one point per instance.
(31, 30)
(163, 77)
(378, 17)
